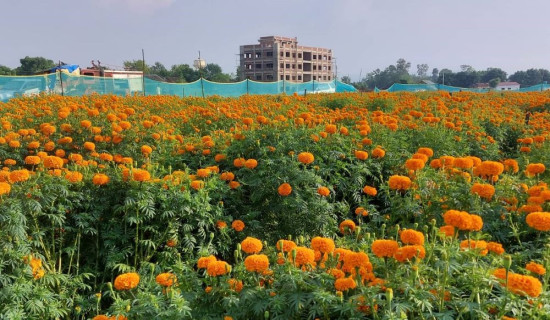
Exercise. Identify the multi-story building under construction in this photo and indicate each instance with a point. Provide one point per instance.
(279, 58)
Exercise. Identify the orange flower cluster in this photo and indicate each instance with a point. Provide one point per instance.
(306, 157)
(347, 225)
(463, 220)
(284, 189)
(485, 191)
(407, 253)
(166, 279)
(413, 237)
(251, 245)
(384, 248)
(479, 245)
(218, 268)
(324, 245)
(399, 182)
(539, 220)
(345, 284)
(371, 191)
(126, 281)
(203, 262)
(237, 225)
(285, 245)
(520, 284)
(256, 263)
(37, 269)
(536, 268)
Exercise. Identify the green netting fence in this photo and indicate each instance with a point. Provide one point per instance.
(396, 87)
(73, 85)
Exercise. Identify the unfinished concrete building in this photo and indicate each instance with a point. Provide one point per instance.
(280, 58)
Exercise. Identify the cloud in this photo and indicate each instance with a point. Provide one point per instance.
(136, 6)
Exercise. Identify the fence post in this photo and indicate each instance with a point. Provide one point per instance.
(143, 75)
(305, 92)
(202, 88)
(183, 89)
(247, 85)
(313, 84)
(284, 90)
(61, 79)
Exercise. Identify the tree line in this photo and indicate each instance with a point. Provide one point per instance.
(467, 77)
(177, 73)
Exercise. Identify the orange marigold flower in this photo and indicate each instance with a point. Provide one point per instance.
(251, 245)
(219, 157)
(491, 168)
(73, 176)
(330, 128)
(284, 189)
(140, 175)
(539, 220)
(520, 284)
(203, 262)
(447, 230)
(171, 243)
(235, 285)
(495, 247)
(324, 245)
(19, 175)
(371, 191)
(360, 211)
(536, 268)
(227, 176)
(534, 169)
(354, 260)
(406, 253)
(323, 191)
(5, 188)
(237, 225)
(347, 225)
(146, 150)
(361, 155)
(99, 179)
(256, 263)
(399, 182)
(306, 157)
(483, 190)
(197, 184)
(511, 165)
(410, 236)
(251, 163)
(239, 162)
(476, 222)
(435, 164)
(203, 173)
(384, 248)
(345, 284)
(286, 245)
(166, 279)
(304, 256)
(378, 153)
(127, 281)
(463, 163)
(458, 219)
(53, 162)
(414, 164)
(479, 245)
(427, 151)
(32, 160)
(234, 184)
(221, 224)
(90, 146)
(218, 268)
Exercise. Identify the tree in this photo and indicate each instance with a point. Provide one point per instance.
(6, 71)
(493, 73)
(183, 73)
(346, 79)
(33, 65)
(135, 65)
(530, 77)
(435, 74)
(493, 83)
(422, 70)
(213, 72)
(159, 69)
(466, 68)
(403, 66)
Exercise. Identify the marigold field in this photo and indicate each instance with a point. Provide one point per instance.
(342, 206)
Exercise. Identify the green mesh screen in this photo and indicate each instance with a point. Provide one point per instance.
(15, 86)
(74, 85)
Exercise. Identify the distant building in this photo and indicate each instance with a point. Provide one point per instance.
(280, 58)
(481, 85)
(502, 86)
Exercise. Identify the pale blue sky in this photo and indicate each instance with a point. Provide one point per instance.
(363, 34)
